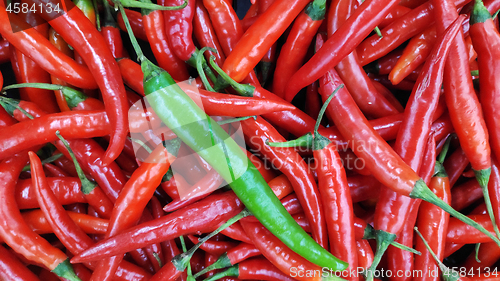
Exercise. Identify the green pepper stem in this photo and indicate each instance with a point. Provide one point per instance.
(201, 69)
(446, 271)
(10, 105)
(87, 185)
(378, 32)
(181, 261)
(151, 6)
(45, 161)
(421, 191)
(444, 151)
(325, 106)
(231, 271)
(483, 177)
(65, 270)
(73, 97)
(142, 144)
(475, 72)
(133, 40)
(371, 234)
(305, 141)
(233, 120)
(478, 245)
(193, 61)
(222, 262)
(384, 239)
(246, 90)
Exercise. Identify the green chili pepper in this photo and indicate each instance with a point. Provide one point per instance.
(202, 134)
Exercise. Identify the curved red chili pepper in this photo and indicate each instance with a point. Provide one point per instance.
(213, 247)
(154, 26)
(260, 37)
(179, 28)
(458, 232)
(80, 33)
(13, 269)
(89, 224)
(278, 254)
(111, 33)
(29, 41)
(14, 230)
(341, 43)
(67, 191)
(294, 51)
(205, 33)
(4, 51)
(398, 32)
(72, 124)
(369, 100)
(467, 193)
(209, 213)
(135, 20)
(137, 192)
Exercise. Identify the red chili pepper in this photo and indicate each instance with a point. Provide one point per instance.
(367, 97)
(393, 209)
(135, 20)
(213, 103)
(88, 42)
(341, 43)
(56, 40)
(463, 104)
(365, 253)
(278, 254)
(397, 12)
(313, 100)
(67, 191)
(260, 37)
(89, 224)
(16, 233)
(4, 51)
(228, 28)
(295, 49)
(29, 41)
(467, 193)
(213, 247)
(209, 213)
(179, 28)
(259, 268)
(111, 33)
(458, 232)
(486, 39)
(5, 118)
(398, 32)
(205, 33)
(137, 192)
(13, 269)
(72, 124)
(236, 232)
(154, 26)
(259, 132)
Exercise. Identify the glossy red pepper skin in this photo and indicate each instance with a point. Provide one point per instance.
(71, 124)
(346, 38)
(31, 42)
(209, 213)
(114, 42)
(13, 269)
(354, 126)
(67, 191)
(216, 248)
(392, 208)
(14, 230)
(56, 40)
(337, 202)
(467, 193)
(132, 200)
(486, 41)
(80, 33)
(398, 32)
(262, 269)
(294, 51)
(260, 36)
(154, 26)
(277, 253)
(135, 19)
(367, 97)
(5, 118)
(461, 99)
(396, 12)
(458, 232)
(179, 28)
(259, 132)
(228, 28)
(205, 33)
(31, 72)
(433, 224)
(213, 103)
(4, 51)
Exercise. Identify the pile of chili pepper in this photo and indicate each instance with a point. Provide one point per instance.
(249, 140)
